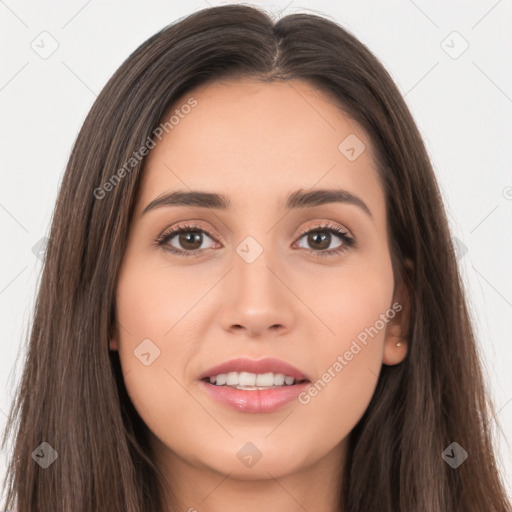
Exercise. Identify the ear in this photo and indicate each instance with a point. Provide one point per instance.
(398, 327)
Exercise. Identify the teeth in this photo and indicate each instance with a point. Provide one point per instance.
(248, 380)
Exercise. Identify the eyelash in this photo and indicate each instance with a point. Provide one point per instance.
(348, 240)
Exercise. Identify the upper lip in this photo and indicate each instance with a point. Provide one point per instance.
(267, 365)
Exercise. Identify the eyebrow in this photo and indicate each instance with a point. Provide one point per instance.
(298, 199)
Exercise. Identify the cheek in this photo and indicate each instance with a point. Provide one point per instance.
(145, 307)
(348, 300)
(152, 351)
(356, 308)
(361, 309)
(151, 299)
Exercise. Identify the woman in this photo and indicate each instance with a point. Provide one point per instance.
(250, 296)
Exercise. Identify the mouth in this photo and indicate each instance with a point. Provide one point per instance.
(253, 381)
(250, 386)
(251, 375)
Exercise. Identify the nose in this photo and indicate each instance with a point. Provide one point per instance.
(257, 299)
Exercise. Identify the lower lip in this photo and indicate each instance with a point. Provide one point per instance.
(257, 400)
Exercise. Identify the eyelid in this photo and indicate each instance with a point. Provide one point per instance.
(324, 225)
(188, 226)
(318, 225)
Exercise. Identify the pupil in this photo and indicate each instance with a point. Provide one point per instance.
(313, 239)
(190, 237)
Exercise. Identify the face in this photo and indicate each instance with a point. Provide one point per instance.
(310, 285)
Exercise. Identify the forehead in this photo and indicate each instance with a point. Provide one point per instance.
(252, 140)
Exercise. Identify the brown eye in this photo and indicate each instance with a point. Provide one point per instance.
(184, 240)
(191, 240)
(319, 239)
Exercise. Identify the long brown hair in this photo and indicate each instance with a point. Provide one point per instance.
(72, 394)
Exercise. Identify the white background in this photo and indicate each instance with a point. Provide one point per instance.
(462, 106)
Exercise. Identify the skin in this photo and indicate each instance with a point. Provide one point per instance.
(256, 143)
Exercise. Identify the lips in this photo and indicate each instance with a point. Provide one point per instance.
(267, 365)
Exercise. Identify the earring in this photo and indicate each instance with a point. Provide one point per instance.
(398, 344)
